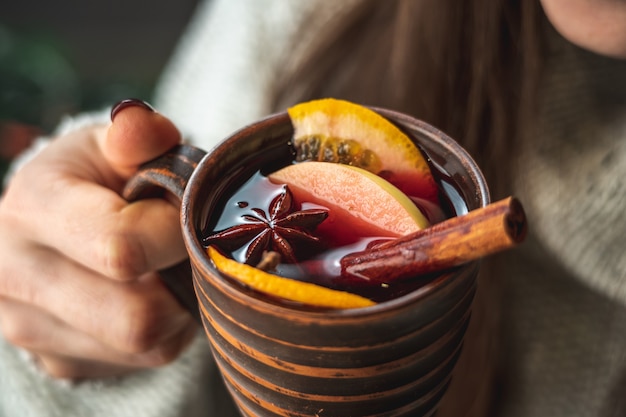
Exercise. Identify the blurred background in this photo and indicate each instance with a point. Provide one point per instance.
(66, 56)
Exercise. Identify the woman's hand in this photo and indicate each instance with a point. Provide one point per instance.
(78, 287)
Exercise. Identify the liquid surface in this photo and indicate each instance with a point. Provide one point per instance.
(320, 264)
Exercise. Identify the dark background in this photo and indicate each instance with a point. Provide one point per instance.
(65, 56)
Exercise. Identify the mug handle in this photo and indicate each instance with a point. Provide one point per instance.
(166, 177)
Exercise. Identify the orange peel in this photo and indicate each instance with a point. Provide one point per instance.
(286, 288)
(332, 130)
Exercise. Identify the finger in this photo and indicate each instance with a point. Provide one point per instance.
(36, 331)
(92, 224)
(136, 135)
(67, 181)
(64, 367)
(132, 317)
(61, 367)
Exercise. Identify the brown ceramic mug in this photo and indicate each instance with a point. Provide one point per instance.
(391, 359)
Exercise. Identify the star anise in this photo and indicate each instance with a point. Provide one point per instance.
(278, 229)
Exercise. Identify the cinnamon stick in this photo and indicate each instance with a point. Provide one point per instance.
(479, 233)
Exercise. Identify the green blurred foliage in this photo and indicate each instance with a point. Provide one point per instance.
(39, 85)
(37, 82)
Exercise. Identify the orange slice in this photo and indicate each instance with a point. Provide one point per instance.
(333, 130)
(286, 288)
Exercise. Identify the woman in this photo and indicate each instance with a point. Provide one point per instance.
(542, 110)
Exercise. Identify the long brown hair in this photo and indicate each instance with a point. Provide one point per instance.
(467, 67)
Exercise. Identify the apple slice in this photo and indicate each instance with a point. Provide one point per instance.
(360, 203)
(331, 130)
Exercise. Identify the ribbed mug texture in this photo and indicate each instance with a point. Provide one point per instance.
(392, 359)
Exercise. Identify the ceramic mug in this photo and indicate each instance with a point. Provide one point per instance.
(391, 359)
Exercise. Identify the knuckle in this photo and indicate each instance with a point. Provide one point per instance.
(140, 332)
(168, 352)
(17, 334)
(161, 356)
(139, 326)
(123, 256)
(59, 372)
(59, 369)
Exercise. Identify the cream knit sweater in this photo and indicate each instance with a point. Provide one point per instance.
(565, 300)
(564, 335)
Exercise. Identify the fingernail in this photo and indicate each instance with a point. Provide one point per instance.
(129, 102)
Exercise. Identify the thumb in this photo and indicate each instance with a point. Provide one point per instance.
(137, 134)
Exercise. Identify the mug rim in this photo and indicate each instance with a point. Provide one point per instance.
(201, 261)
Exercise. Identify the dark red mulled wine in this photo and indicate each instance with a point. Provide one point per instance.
(318, 262)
